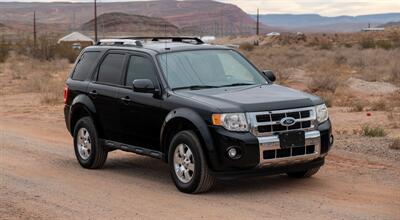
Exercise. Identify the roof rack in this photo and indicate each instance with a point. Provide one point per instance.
(196, 40)
(120, 42)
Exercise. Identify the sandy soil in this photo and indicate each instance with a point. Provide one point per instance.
(41, 179)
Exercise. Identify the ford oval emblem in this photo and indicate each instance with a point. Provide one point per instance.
(288, 121)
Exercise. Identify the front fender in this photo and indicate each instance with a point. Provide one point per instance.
(200, 125)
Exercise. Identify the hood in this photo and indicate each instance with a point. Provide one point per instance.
(252, 98)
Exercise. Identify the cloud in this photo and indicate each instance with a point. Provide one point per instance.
(323, 7)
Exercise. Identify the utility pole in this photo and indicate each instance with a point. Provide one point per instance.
(258, 22)
(34, 29)
(95, 21)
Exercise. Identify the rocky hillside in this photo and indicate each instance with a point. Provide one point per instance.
(196, 17)
(133, 24)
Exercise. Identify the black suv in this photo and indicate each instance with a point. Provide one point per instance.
(205, 110)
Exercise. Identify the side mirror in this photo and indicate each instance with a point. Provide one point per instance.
(144, 86)
(270, 75)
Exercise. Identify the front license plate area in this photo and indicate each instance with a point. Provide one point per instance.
(292, 139)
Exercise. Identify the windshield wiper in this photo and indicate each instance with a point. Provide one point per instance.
(238, 84)
(195, 87)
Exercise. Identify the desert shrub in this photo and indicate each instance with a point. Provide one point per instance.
(395, 145)
(395, 73)
(283, 76)
(379, 105)
(64, 51)
(367, 43)
(4, 49)
(357, 107)
(326, 45)
(324, 82)
(348, 45)
(384, 44)
(328, 98)
(340, 59)
(373, 131)
(246, 46)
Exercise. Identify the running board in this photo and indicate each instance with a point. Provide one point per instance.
(133, 149)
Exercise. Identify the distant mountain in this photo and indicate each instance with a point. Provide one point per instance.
(391, 24)
(318, 23)
(117, 22)
(202, 17)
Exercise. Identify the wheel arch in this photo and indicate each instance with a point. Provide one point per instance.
(83, 106)
(186, 119)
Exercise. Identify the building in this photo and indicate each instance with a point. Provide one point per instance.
(76, 40)
(372, 29)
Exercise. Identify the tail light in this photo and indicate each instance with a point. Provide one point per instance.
(66, 93)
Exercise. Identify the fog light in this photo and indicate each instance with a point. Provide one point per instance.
(331, 139)
(233, 153)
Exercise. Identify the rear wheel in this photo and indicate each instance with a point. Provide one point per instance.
(187, 162)
(303, 174)
(88, 150)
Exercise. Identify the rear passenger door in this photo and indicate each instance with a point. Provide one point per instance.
(140, 113)
(103, 92)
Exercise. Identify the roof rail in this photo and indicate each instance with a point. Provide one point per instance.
(182, 39)
(113, 42)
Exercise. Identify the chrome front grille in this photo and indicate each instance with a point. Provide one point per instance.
(268, 123)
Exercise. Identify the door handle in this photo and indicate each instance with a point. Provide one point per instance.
(126, 100)
(93, 93)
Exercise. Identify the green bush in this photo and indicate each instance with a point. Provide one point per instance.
(373, 131)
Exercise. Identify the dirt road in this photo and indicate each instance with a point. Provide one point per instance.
(41, 179)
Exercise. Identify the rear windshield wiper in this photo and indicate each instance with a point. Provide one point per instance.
(195, 87)
(238, 84)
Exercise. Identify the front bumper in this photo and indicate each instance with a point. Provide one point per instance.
(269, 170)
(252, 150)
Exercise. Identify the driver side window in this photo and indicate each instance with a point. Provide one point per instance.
(140, 68)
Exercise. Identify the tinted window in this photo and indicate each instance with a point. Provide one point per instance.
(85, 65)
(140, 68)
(110, 70)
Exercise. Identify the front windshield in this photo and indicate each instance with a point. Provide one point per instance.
(208, 69)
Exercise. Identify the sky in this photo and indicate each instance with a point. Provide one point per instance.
(323, 7)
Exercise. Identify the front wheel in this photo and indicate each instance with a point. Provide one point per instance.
(187, 162)
(303, 174)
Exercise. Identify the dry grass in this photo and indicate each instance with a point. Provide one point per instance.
(373, 131)
(357, 107)
(44, 77)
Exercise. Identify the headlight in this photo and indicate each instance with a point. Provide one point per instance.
(231, 121)
(322, 113)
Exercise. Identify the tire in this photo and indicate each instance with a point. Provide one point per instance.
(201, 179)
(303, 174)
(92, 155)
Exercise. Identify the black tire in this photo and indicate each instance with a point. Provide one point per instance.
(303, 174)
(202, 180)
(98, 154)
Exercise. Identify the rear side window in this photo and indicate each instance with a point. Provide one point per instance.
(140, 68)
(85, 65)
(110, 70)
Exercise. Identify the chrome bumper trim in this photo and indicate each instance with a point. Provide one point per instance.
(272, 143)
